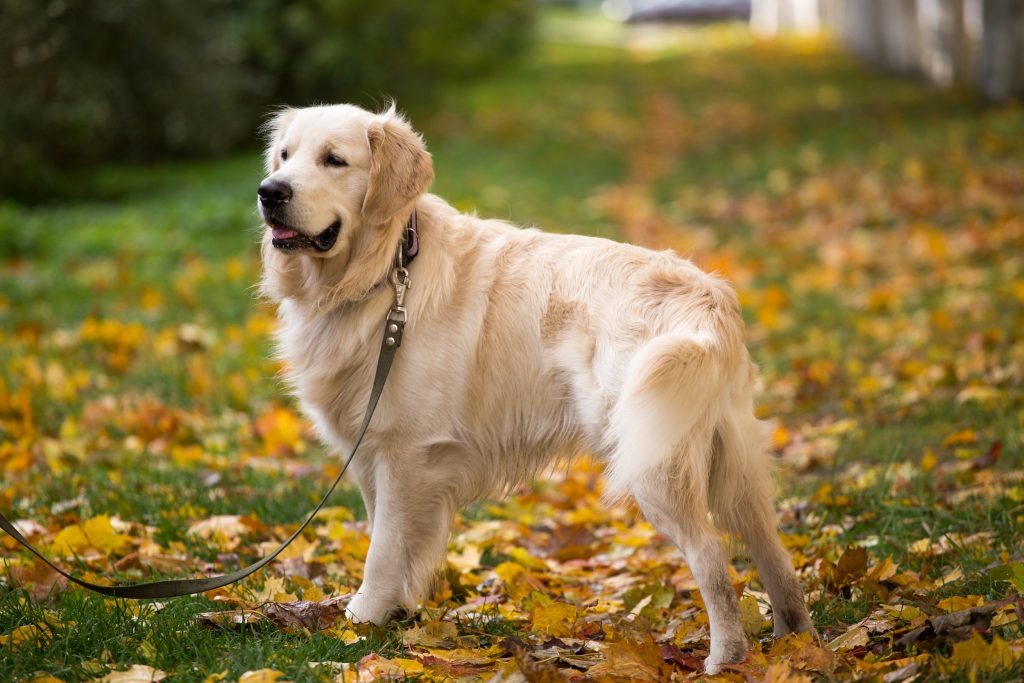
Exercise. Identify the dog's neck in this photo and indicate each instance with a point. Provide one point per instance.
(318, 285)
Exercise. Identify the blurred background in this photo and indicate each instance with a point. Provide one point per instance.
(92, 82)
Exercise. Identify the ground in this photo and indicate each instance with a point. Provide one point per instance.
(875, 232)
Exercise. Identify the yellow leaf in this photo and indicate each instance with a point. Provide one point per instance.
(523, 557)
(432, 634)
(102, 536)
(96, 532)
(261, 676)
(750, 616)
(216, 678)
(928, 460)
(138, 673)
(281, 430)
(513, 575)
(378, 668)
(855, 636)
(93, 533)
(781, 672)
(300, 547)
(29, 632)
(979, 655)
(982, 394)
(274, 591)
(962, 437)
(345, 635)
(557, 619)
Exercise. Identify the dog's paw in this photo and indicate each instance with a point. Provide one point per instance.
(793, 620)
(729, 652)
(363, 609)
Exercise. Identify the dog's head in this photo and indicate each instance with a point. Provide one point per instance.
(337, 176)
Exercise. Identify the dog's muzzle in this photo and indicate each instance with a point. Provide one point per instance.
(274, 197)
(287, 239)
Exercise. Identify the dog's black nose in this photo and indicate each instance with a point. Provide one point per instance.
(274, 193)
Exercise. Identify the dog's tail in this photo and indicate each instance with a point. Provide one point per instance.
(665, 417)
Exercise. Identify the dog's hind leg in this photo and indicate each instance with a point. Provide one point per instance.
(662, 427)
(683, 517)
(741, 484)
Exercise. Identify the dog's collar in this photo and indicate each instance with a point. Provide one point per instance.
(410, 246)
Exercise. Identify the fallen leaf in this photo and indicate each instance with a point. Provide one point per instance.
(96, 533)
(305, 614)
(262, 676)
(975, 654)
(855, 636)
(137, 673)
(750, 615)
(556, 619)
(438, 634)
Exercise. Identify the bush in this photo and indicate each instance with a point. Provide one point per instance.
(90, 81)
(355, 51)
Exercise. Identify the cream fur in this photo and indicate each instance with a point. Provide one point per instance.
(521, 345)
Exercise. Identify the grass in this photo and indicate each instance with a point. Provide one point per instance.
(872, 226)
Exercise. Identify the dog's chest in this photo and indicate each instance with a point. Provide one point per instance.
(329, 366)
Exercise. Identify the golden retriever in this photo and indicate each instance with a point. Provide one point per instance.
(520, 346)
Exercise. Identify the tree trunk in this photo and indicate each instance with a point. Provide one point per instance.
(769, 18)
(862, 30)
(943, 46)
(899, 36)
(1001, 60)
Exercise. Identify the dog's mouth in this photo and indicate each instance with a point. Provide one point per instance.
(287, 239)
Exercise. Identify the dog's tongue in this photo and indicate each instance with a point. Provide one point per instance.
(284, 233)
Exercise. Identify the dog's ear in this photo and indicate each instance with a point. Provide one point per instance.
(400, 168)
(273, 130)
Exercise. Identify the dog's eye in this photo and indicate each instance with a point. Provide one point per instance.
(284, 155)
(335, 161)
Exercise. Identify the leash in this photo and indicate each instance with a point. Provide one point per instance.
(394, 326)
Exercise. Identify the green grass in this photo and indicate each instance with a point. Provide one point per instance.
(789, 167)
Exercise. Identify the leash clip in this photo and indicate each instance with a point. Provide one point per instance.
(401, 282)
(394, 326)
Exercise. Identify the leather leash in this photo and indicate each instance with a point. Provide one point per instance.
(394, 326)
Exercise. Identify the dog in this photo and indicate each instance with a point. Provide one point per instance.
(520, 346)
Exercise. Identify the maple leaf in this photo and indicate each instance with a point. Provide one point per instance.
(556, 619)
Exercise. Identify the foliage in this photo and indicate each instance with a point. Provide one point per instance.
(348, 51)
(87, 82)
(874, 231)
(91, 82)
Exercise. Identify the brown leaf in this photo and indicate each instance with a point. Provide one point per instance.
(901, 674)
(154, 562)
(233, 618)
(953, 627)
(852, 565)
(991, 457)
(538, 672)
(634, 660)
(673, 655)
(305, 614)
(39, 579)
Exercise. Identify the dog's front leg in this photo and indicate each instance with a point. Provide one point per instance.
(412, 517)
